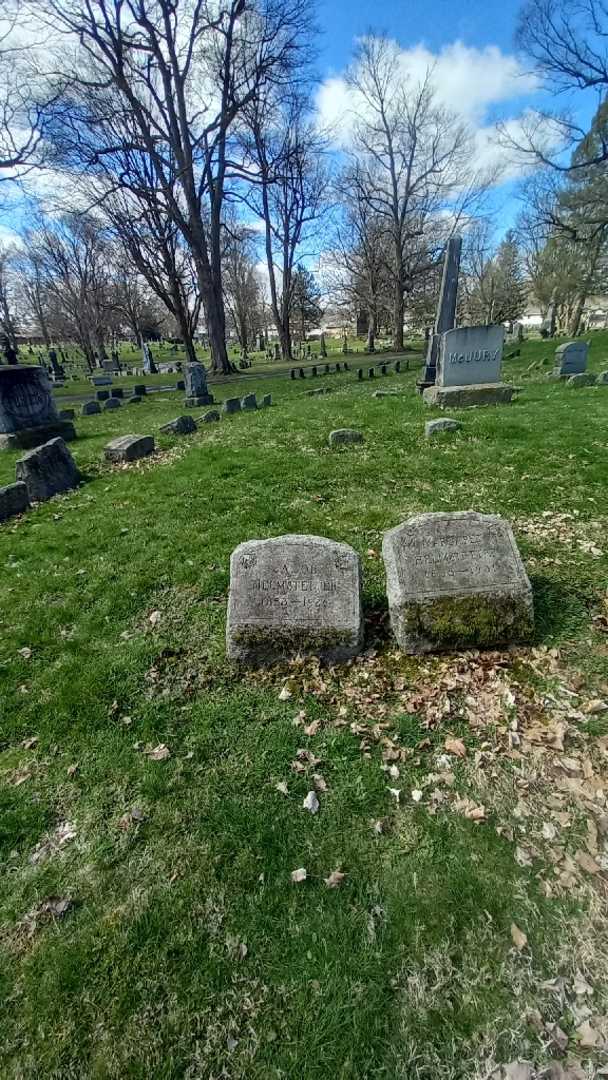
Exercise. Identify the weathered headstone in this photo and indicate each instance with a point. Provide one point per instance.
(456, 580)
(47, 470)
(195, 378)
(129, 448)
(180, 384)
(28, 416)
(117, 392)
(249, 402)
(102, 395)
(14, 499)
(182, 425)
(136, 399)
(468, 371)
(101, 380)
(90, 408)
(582, 378)
(294, 595)
(209, 417)
(66, 414)
(267, 401)
(602, 378)
(232, 405)
(571, 358)
(345, 437)
(435, 427)
(112, 403)
(139, 390)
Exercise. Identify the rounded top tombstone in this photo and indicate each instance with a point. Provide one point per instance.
(25, 399)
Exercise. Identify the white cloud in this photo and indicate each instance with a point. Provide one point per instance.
(476, 84)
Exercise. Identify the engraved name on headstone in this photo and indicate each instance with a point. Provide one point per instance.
(294, 594)
(456, 580)
(470, 355)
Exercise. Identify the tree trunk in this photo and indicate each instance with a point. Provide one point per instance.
(371, 333)
(398, 314)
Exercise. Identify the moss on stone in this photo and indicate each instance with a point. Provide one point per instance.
(262, 642)
(466, 621)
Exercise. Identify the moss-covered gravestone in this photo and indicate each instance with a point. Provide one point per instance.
(456, 581)
(294, 594)
(28, 416)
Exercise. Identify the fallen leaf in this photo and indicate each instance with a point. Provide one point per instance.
(335, 879)
(586, 862)
(455, 746)
(518, 1070)
(25, 652)
(285, 694)
(311, 803)
(298, 875)
(158, 753)
(154, 618)
(586, 1035)
(311, 729)
(282, 787)
(417, 795)
(519, 938)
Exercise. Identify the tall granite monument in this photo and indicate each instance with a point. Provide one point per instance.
(28, 416)
(446, 309)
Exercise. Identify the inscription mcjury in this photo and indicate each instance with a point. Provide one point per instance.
(470, 355)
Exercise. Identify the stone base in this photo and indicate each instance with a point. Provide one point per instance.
(28, 438)
(196, 402)
(468, 397)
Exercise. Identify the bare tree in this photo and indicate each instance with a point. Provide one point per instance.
(183, 73)
(8, 327)
(289, 193)
(242, 286)
(411, 160)
(21, 114)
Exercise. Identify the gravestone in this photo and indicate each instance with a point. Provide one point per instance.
(249, 402)
(90, 408)
(582, 378)
(66, 414)
(182, 425)
(232, 405)
(117, 392)
(101, 380)
(139, 390)
(112, 403)
(294, 595)
(28, 416)
(318, 391)
(129, 448)
(456, 580)
(435, 427)
(47, 470)
(136, 399)
(195, 378)
(209, 417)
(180, 384)
(14, 499)
(446, 309)
(102, 395)
(468, 370)
(345, 437)
(267, 401)
(571, 358)
(360, 373)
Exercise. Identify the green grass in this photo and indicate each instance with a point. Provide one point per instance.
(407, 970)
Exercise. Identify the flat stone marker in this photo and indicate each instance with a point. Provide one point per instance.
(571, 358)
(582, 378)
(182, 425)
(90, 408)
(468, 369)
(385, 393)
(14, 499)
(47, 470)
(28, 415)
(435, 427)
(249, 403)
(318, 391)
(294, 594)
(101, 380)
(232, 405)
(129, 448)
(209, 417)
(454, 581)
(345, 437)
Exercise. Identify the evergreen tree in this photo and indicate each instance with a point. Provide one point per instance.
(305, 300)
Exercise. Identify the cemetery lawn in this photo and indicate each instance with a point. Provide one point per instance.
(151, 795)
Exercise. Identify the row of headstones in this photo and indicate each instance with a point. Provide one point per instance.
(231, 405)
(454, 580)
(50, 469)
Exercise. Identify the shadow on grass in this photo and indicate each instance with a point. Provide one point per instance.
(559, 611)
